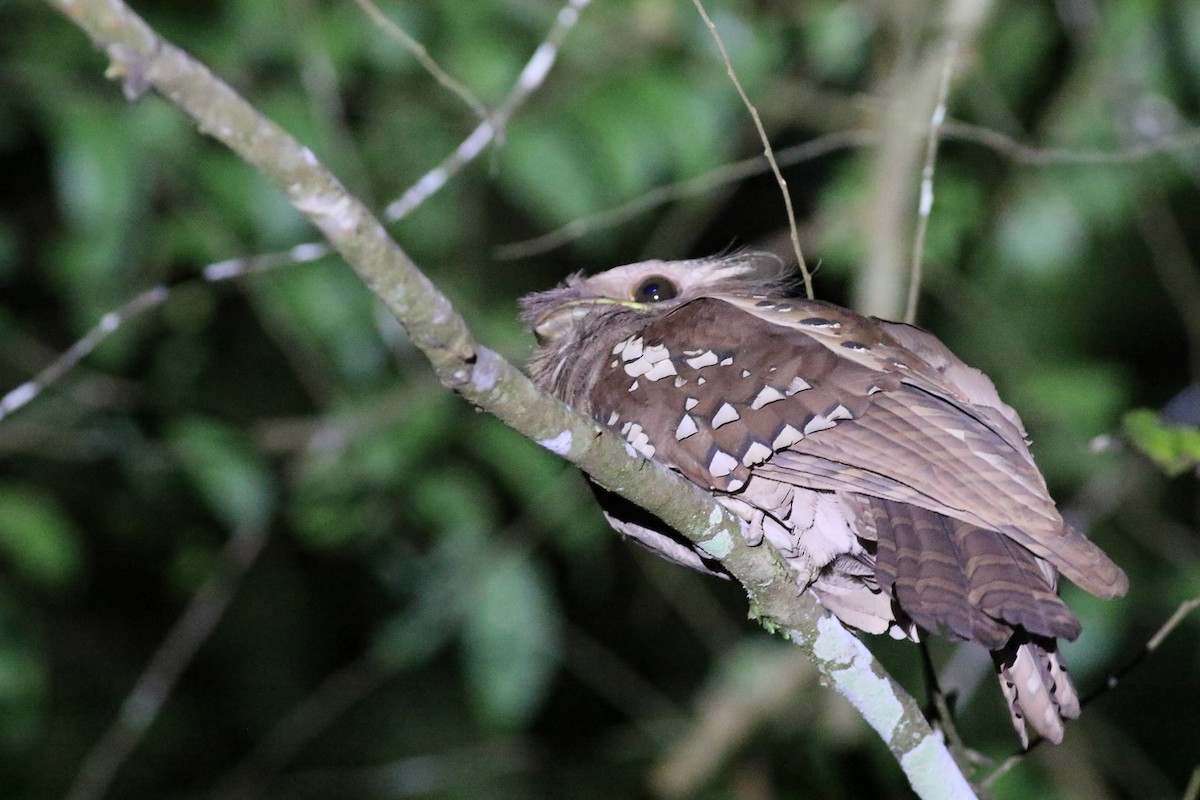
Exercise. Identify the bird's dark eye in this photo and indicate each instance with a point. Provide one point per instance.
(654, 289)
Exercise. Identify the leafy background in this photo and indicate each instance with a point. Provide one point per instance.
(438, 610)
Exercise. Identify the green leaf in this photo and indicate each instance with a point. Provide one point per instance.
(38, 538)
(1174, 448)
(225, 470)
(511, 641)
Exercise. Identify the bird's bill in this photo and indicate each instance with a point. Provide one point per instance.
(564, 317)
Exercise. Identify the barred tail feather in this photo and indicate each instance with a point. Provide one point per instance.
(1035, 683)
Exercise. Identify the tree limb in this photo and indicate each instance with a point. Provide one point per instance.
(912, 90)
(143, 61)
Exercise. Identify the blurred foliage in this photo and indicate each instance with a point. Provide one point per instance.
(440, 611)
(1174, 448)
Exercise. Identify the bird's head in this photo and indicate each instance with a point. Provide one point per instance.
(648, 287)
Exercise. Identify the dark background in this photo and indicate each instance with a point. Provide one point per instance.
(438, 609)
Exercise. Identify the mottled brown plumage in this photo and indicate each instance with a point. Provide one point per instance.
(865, 452)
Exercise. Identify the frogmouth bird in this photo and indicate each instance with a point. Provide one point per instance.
(862, 450)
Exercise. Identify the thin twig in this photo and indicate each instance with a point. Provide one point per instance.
(722, 176)
(1155, 641)
(830, 142)
(939, 704)
(418, 51)
(766, 143)
(144, 702)
(1023, 153)
(144, 301)
(532, 76)
(23, 394)
(1185, 608)
(926, 204)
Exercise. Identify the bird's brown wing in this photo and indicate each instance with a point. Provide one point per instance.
(807, 393)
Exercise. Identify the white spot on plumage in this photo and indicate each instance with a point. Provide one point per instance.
(787, 437)
(638, 367)
(756, 453)
(745, 373)
(725, 362)
(633, 386)
(640, 441)
(722, 464)
(735, 484)
(633, 349)
(705, 359)
(661, 369)
(656, 353)
(625, 428)
(687, 427)
(798, 384)
(725, 414)
(768, 394)
(620, 346)
(690, 403)
(700, 381)
(612, 419)
(819, 422)
(680, 383)
(839, 413)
